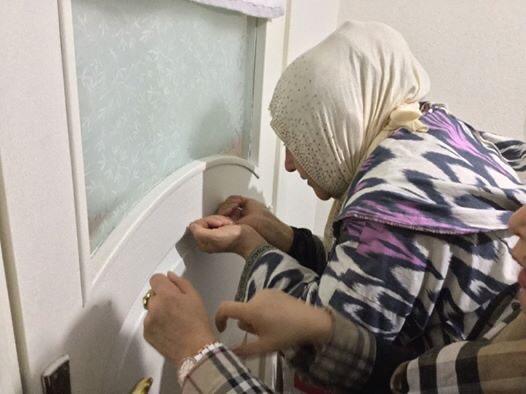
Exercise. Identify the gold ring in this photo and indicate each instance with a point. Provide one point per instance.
(146, 298)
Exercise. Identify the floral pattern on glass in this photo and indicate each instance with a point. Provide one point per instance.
(161, 83)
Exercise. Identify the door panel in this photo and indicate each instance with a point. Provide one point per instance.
(132, 358)
(155, 242)
(159, 222)
(160, 83)
(66, 300)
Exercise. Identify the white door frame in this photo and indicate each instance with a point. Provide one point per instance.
(39, 219)
(41, 174)
(9, 372)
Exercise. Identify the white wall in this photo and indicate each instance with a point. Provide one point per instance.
(474, 51)
(309, 22)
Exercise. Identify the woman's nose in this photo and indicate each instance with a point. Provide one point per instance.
(289, 162)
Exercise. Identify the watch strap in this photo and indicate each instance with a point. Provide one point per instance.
(190, 362)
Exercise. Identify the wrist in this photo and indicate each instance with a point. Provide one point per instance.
(190, 363)
(194, 344)
(322, 325)
(287, 238)
(250, 241)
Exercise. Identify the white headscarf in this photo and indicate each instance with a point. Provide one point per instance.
(335, 103)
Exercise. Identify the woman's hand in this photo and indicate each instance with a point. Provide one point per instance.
(177, 323)
(517, 225)
(217, 233)
(279, 320)
(248, 211)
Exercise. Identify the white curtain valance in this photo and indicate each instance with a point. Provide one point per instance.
(258, 8)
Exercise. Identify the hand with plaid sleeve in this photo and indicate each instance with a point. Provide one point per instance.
(494, 360)
(325, 343)
(324, 347)
(177, 326)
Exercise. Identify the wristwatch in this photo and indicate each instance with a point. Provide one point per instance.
(189, 363)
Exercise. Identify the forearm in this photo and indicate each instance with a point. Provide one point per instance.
(270, 268)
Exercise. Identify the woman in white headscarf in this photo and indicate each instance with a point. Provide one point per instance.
(416, 244)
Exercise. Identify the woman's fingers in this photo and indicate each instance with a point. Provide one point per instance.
(159, 283)
(519, 252)
(255, 348)
(202, 223)
(210, 240)
(517, 222)
(240, 200)
(522, 278)
(216, 221)
(231, 310)
(183, 285)
(204, 230)
(210, 222)
(200, 234)
(227, 208)
(522, 299)
(246, 327)
(232, 207)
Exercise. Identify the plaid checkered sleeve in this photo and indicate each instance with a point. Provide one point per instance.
(221, 371)
(493, 363)
(344, 364)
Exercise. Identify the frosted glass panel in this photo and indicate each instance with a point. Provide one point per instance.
(161, 83)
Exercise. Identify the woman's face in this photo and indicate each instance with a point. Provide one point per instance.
(292, 165)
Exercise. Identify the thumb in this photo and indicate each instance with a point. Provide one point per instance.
(216, 221)
(226, 209)
(255, 348)
(199, 233)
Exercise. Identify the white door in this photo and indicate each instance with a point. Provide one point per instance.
(83, 247)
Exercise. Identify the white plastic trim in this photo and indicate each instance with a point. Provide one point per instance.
(132, 222)
(75, 139)
(258, 8)
(154, 226)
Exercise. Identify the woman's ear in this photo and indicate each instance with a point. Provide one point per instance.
(290, 165)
